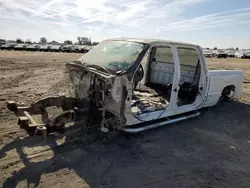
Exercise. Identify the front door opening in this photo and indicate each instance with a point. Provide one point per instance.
(155, 94)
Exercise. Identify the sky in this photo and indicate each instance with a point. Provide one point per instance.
(208, 23)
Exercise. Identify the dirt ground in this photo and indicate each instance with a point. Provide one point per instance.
(209, 152)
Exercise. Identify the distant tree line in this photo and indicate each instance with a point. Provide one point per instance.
(28, 41)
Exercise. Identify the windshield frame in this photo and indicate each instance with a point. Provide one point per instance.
(132, 65)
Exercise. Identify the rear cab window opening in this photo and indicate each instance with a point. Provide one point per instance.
(190, 70)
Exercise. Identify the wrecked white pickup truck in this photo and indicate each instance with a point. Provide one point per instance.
(132, 85)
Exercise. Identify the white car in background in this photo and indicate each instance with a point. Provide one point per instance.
(230, 53)
(243, 54)
(207, 53)
(220, 54)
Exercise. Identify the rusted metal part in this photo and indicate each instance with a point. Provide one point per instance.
(71, 107)
(45, 116)
(25, 124)
(42, 130)
(17, 108)
(60, 120)
(63, 102)
(29, 117)
(38, 107)
(23, 121)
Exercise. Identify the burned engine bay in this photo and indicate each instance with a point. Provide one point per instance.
(91, 85)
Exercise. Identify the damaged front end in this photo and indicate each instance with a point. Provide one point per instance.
(99, 101)
(103, 81)
(104, 94)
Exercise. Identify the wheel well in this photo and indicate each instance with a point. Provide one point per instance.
(232, 87)
(227, 91)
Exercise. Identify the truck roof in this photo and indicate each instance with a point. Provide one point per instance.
(151, 41)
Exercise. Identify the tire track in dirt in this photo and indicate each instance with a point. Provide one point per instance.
(63, 86)
(14, 81)
(11, 82)
(10, 65)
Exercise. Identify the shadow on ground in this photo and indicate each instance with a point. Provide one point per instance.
(210, 152)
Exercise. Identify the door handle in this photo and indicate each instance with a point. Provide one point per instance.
(175, 90)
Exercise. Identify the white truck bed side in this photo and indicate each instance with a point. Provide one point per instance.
(218, 80)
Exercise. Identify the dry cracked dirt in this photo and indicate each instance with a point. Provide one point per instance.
(209, 152)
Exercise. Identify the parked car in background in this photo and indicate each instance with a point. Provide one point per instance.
(5, 47)
(75, 48)
(231, 53)
(33, 47)
(83, 49)
(45, 48)
(20, 47)
(55, 48)
(9, 46)
(242, 54)
(88, 48)
(213, 52)
(247, 54)
(207, 54)
(2, 42)
(220, 54)
(67, 48)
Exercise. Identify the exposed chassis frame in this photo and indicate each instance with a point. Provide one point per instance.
(73, 109)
